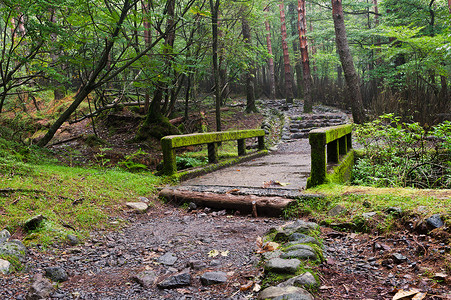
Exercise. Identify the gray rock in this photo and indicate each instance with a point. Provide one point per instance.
(394, 210)
(41, 288)
(299, 247)
(167, 259)
(33, 223)
(72, 239)
(369, 215)
(14, 249)
(435, 221)
(306, 279)
(139, 207)
(336, 211)
(272, 254)
(192, 206)
(299, 238)
(280, 265)
(56, 274)
(210, 278)
(146, 279)
(4, 235)
(5, 266)
(174, 281)
(288, 292)
(298, 226)
(399, 258)
(300, 254)
(144, 199)
(197, 264)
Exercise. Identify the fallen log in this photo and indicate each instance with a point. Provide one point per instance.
(268, 206)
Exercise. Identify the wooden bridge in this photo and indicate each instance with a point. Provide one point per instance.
(255, 182)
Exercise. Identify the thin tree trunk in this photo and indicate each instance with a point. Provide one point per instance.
(272, 81)
(302, 26)
(286, 57)
(250, 76)
(90, 85)
(351, 77)
(214, 6)
(147, 40)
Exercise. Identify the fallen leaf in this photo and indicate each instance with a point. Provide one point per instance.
(232, 191)
(419, 296)
(246, 286)
(183, 291)
(326, 287)
(225, 253)
(213, 253)
(401, 294)
(259, 242)
(256, 288)
(271, 246)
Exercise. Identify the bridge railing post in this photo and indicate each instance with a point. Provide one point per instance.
(241, 147)
(169, 160)
(213, 156)
(328, 145)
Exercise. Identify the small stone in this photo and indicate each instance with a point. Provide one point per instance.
(369, 215)
(167, 259)
(288, 292)
(299, 247)
(306, 279)
(146, 278)
(336, 211)
(272, 254)
(144, 199)
(139, 207)
(4, 235)
(72, 240)
(174, 281)
(280, 265)
(394, 210)
(33, 223)
(197, 264)
(192, 206)
(435, 221)
(5, 266)
(210, 278)
(56, 274)
(14, 248)
(215, 263)
(399, 258)
(41, 288)
(300, 254)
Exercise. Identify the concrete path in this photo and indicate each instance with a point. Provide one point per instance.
(285, 169)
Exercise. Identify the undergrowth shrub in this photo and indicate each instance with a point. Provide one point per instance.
(403, 154)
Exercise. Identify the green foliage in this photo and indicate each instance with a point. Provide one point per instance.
(185, 162)
(132, 162)
(305, 206)
(398, 154)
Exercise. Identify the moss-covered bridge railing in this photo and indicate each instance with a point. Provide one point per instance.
(212, 139)
(332, 155)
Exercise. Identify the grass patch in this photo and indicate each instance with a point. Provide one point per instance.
(72, 199)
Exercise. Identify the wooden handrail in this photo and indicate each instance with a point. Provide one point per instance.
(171, 142)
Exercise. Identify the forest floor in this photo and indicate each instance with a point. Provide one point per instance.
(357, 265)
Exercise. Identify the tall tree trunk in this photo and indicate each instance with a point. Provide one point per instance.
(351, 77)
(272, 81)
(214, 6)
(297, 73)
(250, 76)
(302, 26)
(147, 40)
(286, 57)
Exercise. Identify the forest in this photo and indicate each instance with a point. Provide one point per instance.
(387, 57)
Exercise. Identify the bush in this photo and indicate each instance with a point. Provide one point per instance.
(403, 154)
